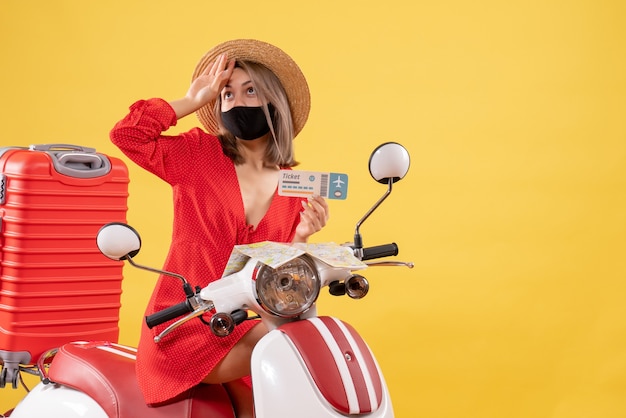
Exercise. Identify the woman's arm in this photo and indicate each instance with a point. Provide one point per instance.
(139, 135)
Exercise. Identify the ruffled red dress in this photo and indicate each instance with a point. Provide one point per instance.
(209, 220)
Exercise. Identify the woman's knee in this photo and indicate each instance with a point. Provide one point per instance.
(236, 363)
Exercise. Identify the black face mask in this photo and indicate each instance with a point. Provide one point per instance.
(247, 123)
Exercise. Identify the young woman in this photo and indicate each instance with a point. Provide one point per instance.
(252, 100)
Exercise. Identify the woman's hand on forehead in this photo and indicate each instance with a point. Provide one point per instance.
(205, 88)
(208, 85)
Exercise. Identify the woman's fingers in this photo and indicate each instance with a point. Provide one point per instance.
(315, 212)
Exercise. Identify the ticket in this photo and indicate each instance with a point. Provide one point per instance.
(310, 183)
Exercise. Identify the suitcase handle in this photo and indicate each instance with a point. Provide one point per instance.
(50, 147)
(75, 160)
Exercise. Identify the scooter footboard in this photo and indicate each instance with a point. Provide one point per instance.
(322, 367)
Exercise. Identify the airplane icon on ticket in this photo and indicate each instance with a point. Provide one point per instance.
(338, 182)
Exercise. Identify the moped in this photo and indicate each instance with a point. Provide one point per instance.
(305, 366)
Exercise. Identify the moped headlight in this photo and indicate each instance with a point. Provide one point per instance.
(288, 290)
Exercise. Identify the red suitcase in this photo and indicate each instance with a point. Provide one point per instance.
(55, 286)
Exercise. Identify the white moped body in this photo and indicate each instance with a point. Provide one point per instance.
(58, 401)
(301, 370)
(308, 366)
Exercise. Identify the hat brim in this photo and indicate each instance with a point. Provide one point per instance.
(277, 61)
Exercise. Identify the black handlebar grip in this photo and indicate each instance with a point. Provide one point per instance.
(166, 314)
(379, 251)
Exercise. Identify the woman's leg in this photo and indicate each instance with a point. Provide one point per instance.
(241, 398)
(234, 366)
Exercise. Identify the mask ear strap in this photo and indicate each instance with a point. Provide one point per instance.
(217, 111)
(271, 111)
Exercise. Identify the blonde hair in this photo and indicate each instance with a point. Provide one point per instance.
(269, 90)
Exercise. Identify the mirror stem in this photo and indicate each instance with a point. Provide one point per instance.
(186, 286)
(358, 241)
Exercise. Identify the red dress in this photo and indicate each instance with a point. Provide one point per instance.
(209, 220)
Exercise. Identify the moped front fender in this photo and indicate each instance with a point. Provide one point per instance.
(317, 368)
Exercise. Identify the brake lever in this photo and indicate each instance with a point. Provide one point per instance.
(201, 309)
(408, 264)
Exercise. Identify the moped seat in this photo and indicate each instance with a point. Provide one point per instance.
(106, 372)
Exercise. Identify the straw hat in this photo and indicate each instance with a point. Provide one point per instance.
(273, 58)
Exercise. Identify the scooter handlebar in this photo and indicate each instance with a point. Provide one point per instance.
(379, 251)
(167, 314)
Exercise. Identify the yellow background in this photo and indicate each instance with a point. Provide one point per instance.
(514, 209)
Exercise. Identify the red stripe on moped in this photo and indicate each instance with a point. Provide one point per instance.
(339, 363)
